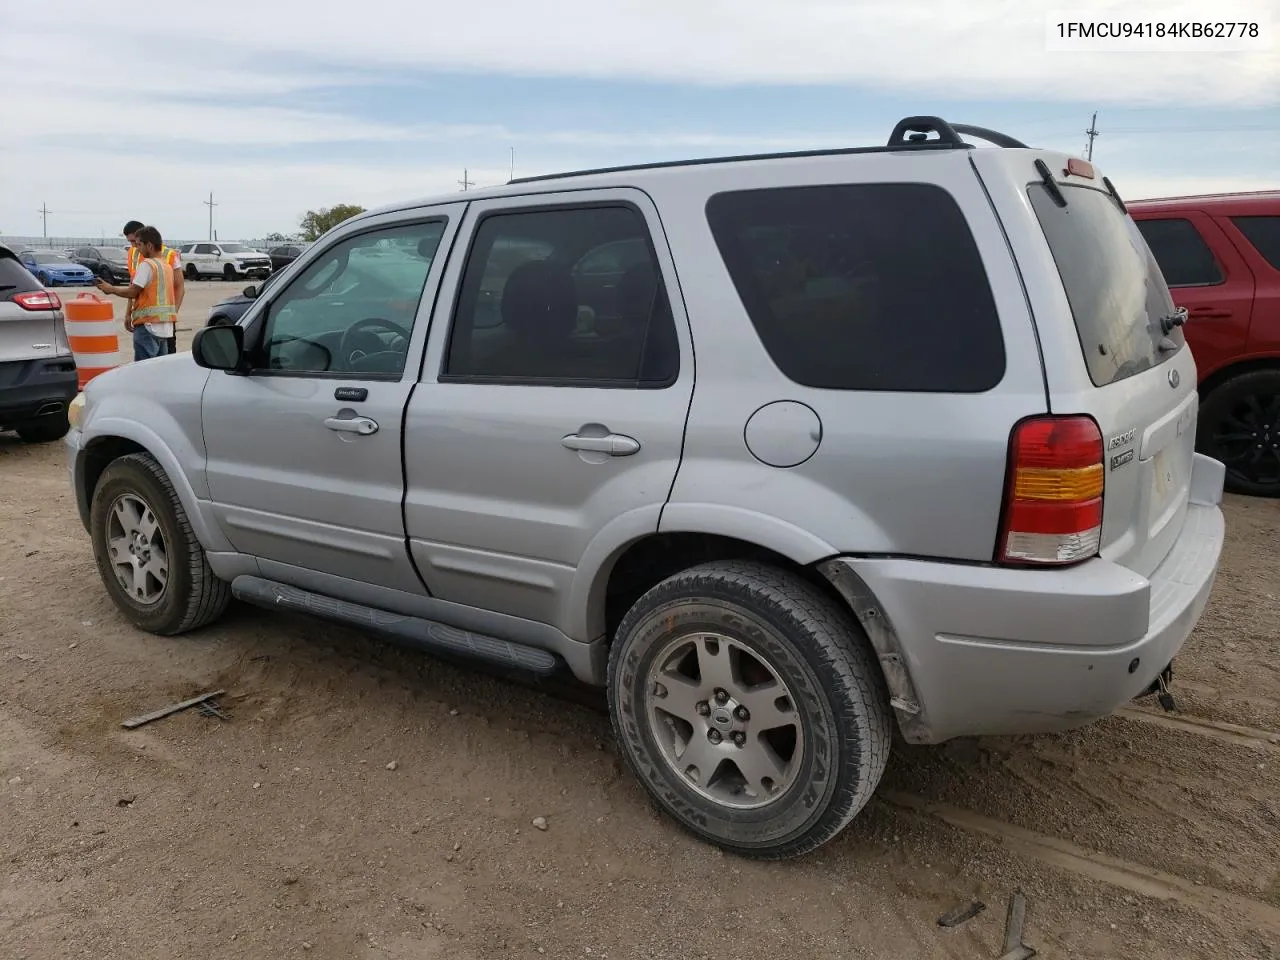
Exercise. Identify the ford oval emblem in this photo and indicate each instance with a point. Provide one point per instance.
(1174, 379)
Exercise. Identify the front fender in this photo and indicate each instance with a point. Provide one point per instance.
(165, 425)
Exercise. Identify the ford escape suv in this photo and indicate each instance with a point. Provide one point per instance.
(37, 368)
(784, 451)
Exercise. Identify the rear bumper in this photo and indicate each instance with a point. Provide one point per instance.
(984, 650)
(31, 389)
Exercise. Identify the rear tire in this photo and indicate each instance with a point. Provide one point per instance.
(135, 496)
(45, 430)
(1239, 424)
(778, 736)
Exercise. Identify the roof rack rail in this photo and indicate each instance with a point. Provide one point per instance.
(914, 132)
(919, 129)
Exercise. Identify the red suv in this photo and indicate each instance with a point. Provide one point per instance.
(1221, 257)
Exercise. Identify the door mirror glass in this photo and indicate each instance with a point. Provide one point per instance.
(250, 291)
(219, 348)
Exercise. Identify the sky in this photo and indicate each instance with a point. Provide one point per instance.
(108, 113)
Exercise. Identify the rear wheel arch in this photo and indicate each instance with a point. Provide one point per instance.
(1235, 369)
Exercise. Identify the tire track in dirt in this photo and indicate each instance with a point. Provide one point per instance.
(1233, 733)
(1093, 865)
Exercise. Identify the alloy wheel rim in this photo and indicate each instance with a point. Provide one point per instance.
(724, 720)
(1247, 439)
(137, 549)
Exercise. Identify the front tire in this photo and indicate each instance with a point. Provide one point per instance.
(148, 556)
(749, 705)
(228, 273)
(192, 272)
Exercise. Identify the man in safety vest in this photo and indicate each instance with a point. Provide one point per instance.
(170, 256)
(153, 304)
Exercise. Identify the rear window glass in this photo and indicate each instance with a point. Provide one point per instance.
(863, 286)
(1184, 258)
(1117, 293)
(14, 277)
(1264, 234)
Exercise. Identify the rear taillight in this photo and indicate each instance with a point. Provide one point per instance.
(37, 300)
(1053, 504)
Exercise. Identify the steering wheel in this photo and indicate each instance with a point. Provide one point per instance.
(349, 346)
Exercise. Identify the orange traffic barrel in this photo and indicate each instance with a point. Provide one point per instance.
(92, 335)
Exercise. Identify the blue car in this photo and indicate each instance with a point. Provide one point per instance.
(54, 269)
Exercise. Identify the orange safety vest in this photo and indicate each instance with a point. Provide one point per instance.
(155, 303)
(135, 256)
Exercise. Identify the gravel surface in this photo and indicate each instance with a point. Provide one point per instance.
(363, 801)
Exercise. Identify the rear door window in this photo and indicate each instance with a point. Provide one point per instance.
(876, 286)
(14, 277)
(1184, 258)
(1118, 295)
(1264, 234)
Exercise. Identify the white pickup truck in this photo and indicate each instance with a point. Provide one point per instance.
(229, 261)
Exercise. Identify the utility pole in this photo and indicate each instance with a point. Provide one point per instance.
(1091, 133)
(210, 204)
(513, 164)
(44, 212)
(467, 182)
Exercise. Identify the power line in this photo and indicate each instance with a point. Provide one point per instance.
(210, 204)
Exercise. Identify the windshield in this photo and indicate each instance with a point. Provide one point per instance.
(49, 258)
(1117, 294)
(236, 248)
(112, 253)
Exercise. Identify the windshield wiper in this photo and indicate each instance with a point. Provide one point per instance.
(1175, 319)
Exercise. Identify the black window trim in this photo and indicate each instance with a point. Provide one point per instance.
(596, 384)
(1000, 321)
(255, 329)
(1222, 270)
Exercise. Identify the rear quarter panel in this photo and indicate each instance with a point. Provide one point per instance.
(894, 473)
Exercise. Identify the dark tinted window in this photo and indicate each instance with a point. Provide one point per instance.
(14, 277)
(1264, 234)
(1184, 258)
(863, 286)
(564, 296)
(1117, 293)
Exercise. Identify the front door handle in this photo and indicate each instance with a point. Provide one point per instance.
(361, 425)
(614, 444)
(1209, 313)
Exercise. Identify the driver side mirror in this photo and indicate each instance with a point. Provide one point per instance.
(251, 291)
(219, 348)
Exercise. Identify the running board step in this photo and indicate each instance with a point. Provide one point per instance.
(416, 632)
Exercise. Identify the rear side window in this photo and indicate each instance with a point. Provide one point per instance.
(1117, 293)
(14, 277)
(863, 286)
(1264, 234)
(1184, 258)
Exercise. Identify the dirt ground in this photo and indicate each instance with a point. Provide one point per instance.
(282, 832)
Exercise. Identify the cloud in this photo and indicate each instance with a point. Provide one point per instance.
(977, 48)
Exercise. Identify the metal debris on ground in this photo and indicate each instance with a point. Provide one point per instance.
(1014, 948)
(959, 915)
(160, 714)
(210, 709)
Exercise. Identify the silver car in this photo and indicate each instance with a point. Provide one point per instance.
(37, 367)
(783, 451)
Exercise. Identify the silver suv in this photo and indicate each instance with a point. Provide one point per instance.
(784, 451)
(37, 367)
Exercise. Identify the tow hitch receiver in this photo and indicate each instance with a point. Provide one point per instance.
(1160, 687)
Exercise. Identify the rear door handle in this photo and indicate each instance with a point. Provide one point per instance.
(1209, 313)
(361, 425)
(614, 444)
